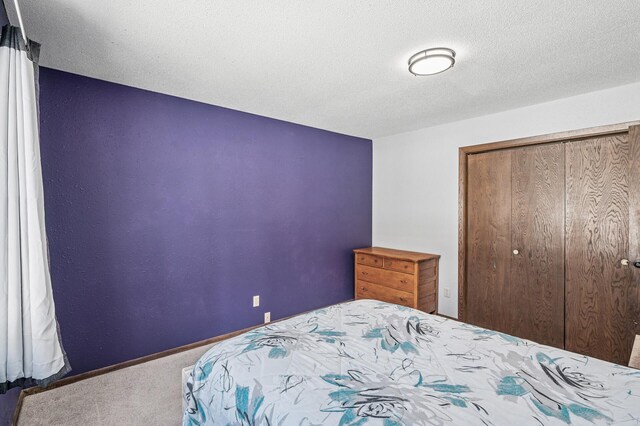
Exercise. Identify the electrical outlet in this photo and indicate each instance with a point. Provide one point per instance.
(267, 317)
(256, 301)
(447, 292)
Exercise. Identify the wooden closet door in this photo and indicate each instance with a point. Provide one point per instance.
(634, 229)
(602, 304)
(515, 201)
(537, 229)
(489, 240)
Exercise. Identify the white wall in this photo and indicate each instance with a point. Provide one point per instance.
(415, 174)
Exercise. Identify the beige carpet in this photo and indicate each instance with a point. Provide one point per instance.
(144, 394)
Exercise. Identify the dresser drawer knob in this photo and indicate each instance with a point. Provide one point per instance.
(403, 281)
(365, 273)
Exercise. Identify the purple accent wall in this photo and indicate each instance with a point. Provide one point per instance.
(165, 216)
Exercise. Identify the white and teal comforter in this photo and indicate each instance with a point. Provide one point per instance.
(372, 363)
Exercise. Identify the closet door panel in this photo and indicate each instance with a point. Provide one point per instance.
(634, 230)
(489, 240)
(598, 306)
(537, 229)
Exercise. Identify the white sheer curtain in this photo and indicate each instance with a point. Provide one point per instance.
(30, 348)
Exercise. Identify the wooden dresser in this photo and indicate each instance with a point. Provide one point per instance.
(405, 278)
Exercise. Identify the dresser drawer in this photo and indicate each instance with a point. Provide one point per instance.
(369, 259)
(399, 265)
(366, 290)
(391, 279)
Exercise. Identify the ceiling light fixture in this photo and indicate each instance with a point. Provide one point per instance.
(432, 61)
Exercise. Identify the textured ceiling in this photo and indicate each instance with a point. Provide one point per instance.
(341, 65)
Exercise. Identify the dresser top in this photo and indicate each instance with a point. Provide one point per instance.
(412, 256)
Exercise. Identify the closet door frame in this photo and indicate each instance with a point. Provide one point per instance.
(463, 155)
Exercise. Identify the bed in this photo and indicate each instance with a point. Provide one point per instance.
(372, 363)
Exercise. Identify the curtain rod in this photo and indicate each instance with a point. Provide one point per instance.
(22, 29)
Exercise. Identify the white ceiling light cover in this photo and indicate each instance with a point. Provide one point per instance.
(432, 61)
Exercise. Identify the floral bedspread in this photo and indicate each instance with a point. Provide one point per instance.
(372, 363)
